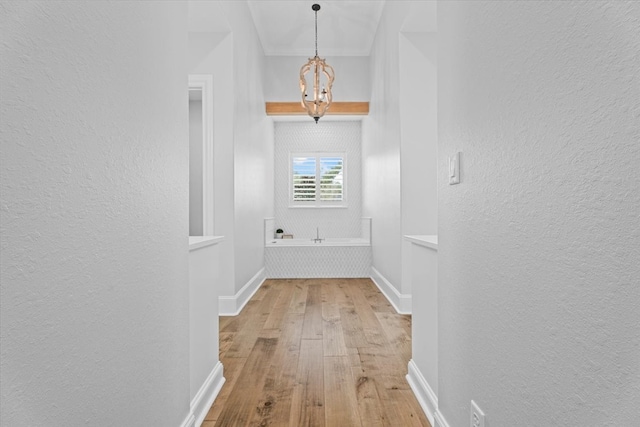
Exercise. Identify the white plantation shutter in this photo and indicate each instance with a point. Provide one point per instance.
(331, 178)
(304, 179)
(318, 180)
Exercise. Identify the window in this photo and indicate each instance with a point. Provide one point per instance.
(318, 180)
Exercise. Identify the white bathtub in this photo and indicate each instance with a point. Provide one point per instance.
(331, 242)
(305, 259)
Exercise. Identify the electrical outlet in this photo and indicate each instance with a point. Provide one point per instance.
(477, 416)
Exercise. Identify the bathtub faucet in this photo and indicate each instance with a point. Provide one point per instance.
(317, 239)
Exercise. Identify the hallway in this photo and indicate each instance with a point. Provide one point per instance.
(316, 352)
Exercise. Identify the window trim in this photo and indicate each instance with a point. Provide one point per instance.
(317, 203)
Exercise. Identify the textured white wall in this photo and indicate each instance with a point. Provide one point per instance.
(540, 243)
(303, 137)
(94, 217)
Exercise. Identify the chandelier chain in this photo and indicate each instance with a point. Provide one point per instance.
(316, 33)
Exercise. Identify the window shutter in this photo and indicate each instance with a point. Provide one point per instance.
(318, 180)
(331, 179)
(304, 179)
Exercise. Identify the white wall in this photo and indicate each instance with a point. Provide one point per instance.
(94, 219)
(419, 132)
(539, 244)
(399, 137)
(381, 149)
(243, 140)
(207, 53)
(195, 168)
(328, 136)
(205, 368)
(418, 143)
(282, 74)
(424, 323)
(253, 146)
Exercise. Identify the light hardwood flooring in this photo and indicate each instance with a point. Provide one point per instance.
(316, 352)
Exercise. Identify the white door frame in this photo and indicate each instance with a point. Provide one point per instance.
(204, 83)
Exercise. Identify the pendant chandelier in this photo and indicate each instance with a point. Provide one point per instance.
(319, 99)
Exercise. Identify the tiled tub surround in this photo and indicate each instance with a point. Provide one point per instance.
(304, 258)
(316, 261)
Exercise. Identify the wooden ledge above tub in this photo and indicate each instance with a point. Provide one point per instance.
(336, 109)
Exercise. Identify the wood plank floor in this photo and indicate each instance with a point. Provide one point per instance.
(316, 352)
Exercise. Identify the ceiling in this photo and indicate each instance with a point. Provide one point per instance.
(345, 28)
(286, 27)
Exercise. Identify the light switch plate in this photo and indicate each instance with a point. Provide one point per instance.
(454, 169)
(477, 416)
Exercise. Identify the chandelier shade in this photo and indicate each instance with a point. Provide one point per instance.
(316, 97)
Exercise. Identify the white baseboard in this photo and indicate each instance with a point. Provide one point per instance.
(440, 421)
(190, 421)
(401, 302)
(422, 390)
(204, 398)
(232, 306)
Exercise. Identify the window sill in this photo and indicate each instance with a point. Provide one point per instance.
(430, 241)
(197, 242)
